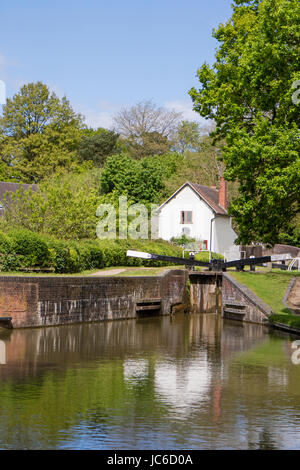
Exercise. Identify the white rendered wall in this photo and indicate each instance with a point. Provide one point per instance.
(223, 235)
(185, 200)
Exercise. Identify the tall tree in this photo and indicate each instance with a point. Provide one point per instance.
(187, 136)
(141, 180)
(97, 145)
(39, 133)
(64, 206)
(249, 93)
(147, 128)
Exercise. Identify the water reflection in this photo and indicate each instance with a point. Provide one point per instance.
(189, 381)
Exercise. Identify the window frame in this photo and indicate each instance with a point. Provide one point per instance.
(183, 216)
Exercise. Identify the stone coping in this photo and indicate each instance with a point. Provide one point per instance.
(88, 278)
(250, 295)
(286, 296)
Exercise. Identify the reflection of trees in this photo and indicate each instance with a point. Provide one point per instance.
(179, 378)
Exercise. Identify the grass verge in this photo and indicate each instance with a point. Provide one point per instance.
(271, 287)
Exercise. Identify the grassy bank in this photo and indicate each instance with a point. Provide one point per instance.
(271, 287)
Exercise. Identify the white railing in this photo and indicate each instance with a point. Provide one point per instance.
(293, 262)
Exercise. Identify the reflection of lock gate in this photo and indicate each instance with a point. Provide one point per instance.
(213, 265)
(2, 352)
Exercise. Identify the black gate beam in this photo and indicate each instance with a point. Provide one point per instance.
(214, 264)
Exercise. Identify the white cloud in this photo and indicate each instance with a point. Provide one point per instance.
(2, 64)
(101, 115)
(186, 108)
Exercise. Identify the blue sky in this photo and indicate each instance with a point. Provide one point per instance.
(104, 55)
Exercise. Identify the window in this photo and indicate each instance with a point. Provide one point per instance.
(186, 217)
(186, 231)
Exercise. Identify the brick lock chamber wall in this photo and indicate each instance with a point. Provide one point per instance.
(44, 301)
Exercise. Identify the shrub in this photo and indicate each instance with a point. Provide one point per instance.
(25, 249)
(31, 249)
(9, 262)
(204, 256)
(183, 240)
(95, 256)
(5, 243)
(63, 258)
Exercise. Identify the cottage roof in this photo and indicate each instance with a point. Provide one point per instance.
(208, 194)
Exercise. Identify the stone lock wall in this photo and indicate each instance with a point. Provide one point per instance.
(205, 292)
(44, 301)
(238, 296)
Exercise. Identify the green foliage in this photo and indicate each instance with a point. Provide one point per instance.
(287, 319)
(5, 243)
(204, 256)
(29, 248)
(10, 262)
(65, 206)
(269, 199)
(248, 92)
(142, 181)
(39, 133)
(203, 167)
(187, 136)
(72, 257)
(292, 237)
(184, 240)
(97, 145)
(23, 249)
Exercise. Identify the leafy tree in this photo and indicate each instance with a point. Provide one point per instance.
(65, 206)
(248, 92)
(147, 128)
(141, 180)
(187, 136)
(150, 143)
(39, 133)
(97, 145)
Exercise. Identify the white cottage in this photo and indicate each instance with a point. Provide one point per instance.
(199, 212)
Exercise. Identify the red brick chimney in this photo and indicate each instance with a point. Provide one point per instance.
(223, 193)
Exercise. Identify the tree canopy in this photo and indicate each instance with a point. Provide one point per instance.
(39, 133)
(64, 206)
(141, 180)
(147, 129)
(248, 92)
(97, 145)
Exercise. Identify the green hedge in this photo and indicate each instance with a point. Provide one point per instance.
(23, 249)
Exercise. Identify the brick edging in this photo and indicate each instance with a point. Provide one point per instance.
(287, 294)
(250, 295)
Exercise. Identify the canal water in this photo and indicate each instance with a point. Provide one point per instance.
(180, 382)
